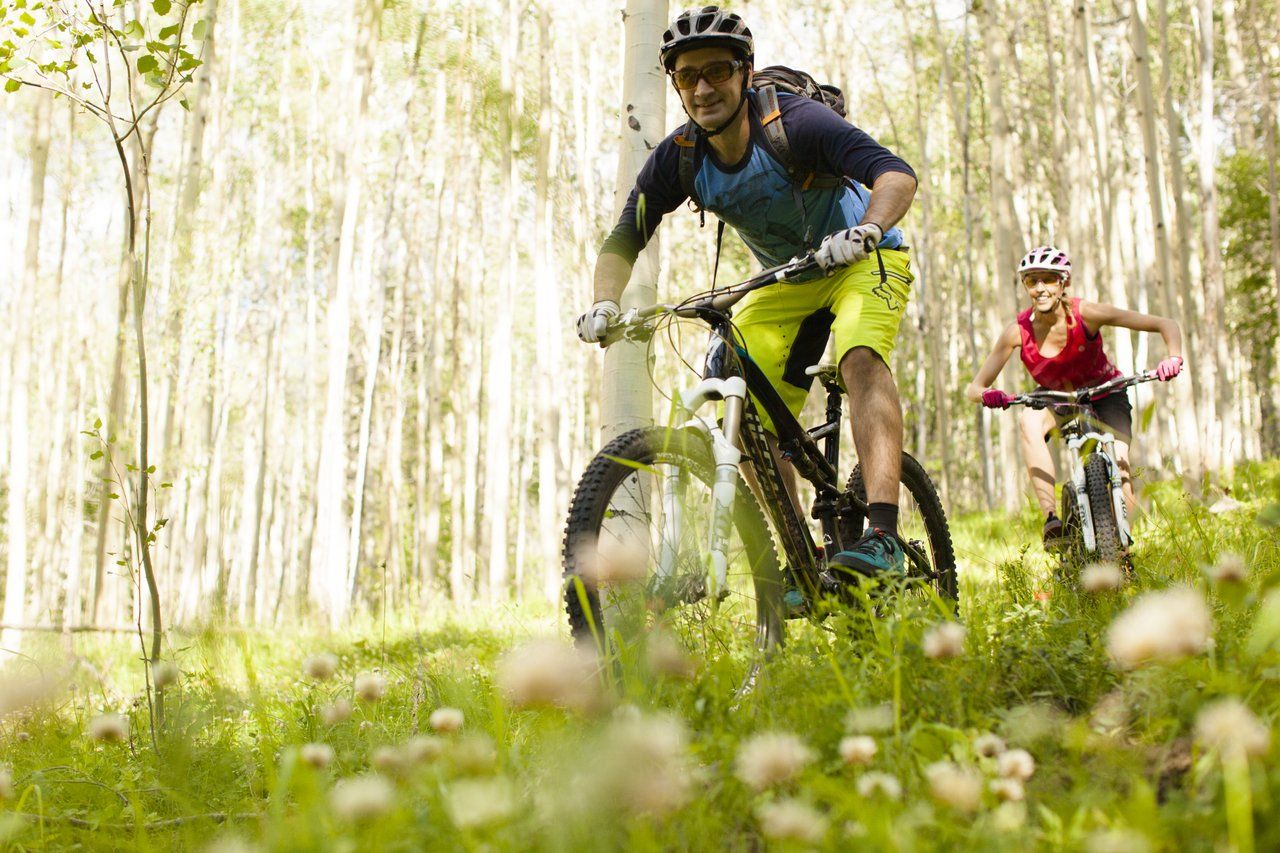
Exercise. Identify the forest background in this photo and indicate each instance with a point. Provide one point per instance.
(370, 225)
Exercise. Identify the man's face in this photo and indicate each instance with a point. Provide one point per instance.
(1045, 289)
(710, 104)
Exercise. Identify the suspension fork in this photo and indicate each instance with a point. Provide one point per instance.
(1117, 492)
(727, 454)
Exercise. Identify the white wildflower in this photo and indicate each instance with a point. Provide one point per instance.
(423, 749)
(1009, 816)
(1117, 841)
(362, 797)
(1229, 569)
(109, 728)
(340, 711)
(1101, 577)
(958, 787)
(164, 673)
(391, 760)
(445, 720)
(1163, 625)
(1032, 722)
(1008, 790)
(1016, 764)
(318, 755)
(1228, 726)
(771, 759)
(474, 755)
(644, 767)
(945, 640)
(617, 560)
(666, 657)
(791, 820)
(988, 745)
(870, 720)
(549, 673)
(320, 667)
(1111, 712)
(871, 784)
(21, 690)
(370, 686)
(480, 802)
(858, 749)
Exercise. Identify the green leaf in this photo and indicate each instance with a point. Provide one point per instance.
(134, 30)
(12, 85)
(162, 7)
(147, 64)
(151, 469)
(169, 32)
(184, 104)
(200, 30)
(97, 454)
(28, 19)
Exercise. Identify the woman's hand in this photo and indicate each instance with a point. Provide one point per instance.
(994, 398)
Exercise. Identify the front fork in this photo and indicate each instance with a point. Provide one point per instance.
(727, 455)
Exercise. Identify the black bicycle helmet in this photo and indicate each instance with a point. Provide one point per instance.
(709, 26)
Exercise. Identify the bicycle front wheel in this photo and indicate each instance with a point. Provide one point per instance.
(635, 554)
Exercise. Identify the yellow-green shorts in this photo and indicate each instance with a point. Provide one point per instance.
(784, 327)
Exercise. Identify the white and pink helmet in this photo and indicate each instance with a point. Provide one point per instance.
(1045, 258)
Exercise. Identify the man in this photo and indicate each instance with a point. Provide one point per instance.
(709, 53)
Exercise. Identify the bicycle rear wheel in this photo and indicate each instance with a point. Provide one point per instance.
(922, 527)
(635, 554)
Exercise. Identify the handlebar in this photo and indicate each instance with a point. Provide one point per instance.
(1083, 396)
(634, 323)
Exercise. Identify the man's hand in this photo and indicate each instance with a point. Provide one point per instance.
(848, 246)
(593, 324)
(1169, 368)
(994, 398)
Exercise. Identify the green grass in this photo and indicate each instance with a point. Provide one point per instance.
(1035, 669)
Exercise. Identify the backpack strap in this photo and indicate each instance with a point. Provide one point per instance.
(776, 135)
(687, 143)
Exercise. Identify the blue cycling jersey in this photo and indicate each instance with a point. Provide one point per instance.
(755, 196)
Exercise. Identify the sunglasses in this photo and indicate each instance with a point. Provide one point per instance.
(712, 72)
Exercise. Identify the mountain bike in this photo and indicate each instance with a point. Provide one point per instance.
(1094, 517)
(661, 533)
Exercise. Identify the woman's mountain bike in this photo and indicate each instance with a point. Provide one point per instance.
(662, 534)
(1095, 520)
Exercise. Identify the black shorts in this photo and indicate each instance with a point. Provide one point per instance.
(1113, 411)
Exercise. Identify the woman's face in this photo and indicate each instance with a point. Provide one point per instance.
(1045, 289)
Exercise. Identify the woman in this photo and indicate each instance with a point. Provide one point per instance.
(1059, 339)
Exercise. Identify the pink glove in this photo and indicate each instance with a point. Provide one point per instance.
(994, 398)
(1169, 368)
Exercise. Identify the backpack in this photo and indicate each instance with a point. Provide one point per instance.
(768, 82)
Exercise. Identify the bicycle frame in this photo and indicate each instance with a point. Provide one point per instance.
(727, 376)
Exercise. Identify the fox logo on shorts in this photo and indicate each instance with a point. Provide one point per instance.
(885, 296)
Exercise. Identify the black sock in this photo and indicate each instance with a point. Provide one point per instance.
(883, 516)
(1053, 516)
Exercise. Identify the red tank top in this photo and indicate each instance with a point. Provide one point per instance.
(1081, 363)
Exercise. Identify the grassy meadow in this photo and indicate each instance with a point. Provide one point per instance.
(1058, 717)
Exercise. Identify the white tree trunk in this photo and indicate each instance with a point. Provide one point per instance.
(627, 398)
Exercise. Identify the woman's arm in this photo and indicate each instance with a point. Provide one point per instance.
(1099, 314)
(1006, 345)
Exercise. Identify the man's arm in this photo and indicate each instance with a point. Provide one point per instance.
(611, 277)
(891, 196)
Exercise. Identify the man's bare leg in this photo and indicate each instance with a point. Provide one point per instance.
(876, 420)
(785, 468)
